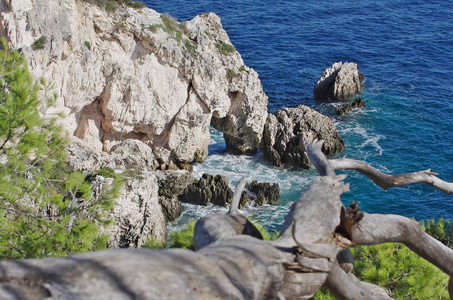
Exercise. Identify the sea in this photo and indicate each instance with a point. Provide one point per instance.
(405, 51)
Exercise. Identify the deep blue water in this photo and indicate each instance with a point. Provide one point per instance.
(404, 49)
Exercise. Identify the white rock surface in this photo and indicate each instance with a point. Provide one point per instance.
(119, 76)
(137, 214)
(339, 82)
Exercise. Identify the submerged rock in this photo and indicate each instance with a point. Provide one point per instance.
(339, 82)
(288, 132)
(345, 108)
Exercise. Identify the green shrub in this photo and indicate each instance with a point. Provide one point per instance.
(88, 45)
(154, 27)
(396, 268)
(231, 74)
(225, 49)
(40, 43)
(440, 229)
(154, 244)
(184, 237)
(191, 48)
(170, 23)
(110, 6)
(46, 209)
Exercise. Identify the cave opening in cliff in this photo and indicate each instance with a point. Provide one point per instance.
(217, 143)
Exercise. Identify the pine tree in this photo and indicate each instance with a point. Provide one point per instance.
(46, 209)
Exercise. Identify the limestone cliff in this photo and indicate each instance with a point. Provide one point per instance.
(136, 77)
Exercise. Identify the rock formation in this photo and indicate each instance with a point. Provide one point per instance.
(260, 193)
(136, 78)
(171, 185)
(288, 132)
(345, 108)
(339, 82)
(208, 189)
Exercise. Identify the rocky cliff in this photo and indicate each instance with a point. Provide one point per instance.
(136, 77)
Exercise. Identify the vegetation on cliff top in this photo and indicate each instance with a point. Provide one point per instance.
(46, 209)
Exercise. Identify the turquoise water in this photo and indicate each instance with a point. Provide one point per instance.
(404, 49)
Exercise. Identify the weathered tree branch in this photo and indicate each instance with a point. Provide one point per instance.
(386, 181)
(377, 229)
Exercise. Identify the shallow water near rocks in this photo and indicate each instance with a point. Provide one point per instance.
(404, 50)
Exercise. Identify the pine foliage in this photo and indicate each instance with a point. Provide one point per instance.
(46, 209)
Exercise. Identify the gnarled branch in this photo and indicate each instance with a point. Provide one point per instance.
(386, 181)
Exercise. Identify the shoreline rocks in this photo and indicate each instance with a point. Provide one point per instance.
(259, 194)
(339, 82)
(208, 189)
(289, 131)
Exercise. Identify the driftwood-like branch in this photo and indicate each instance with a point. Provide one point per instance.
(386, 181)
(375, 229)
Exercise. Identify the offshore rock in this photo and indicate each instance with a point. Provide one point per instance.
(259, 193)
(208, 189)
(288, 132)
(345, 108)
(136, 79)
(339, 82)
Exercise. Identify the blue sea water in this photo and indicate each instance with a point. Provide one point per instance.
(404, 49)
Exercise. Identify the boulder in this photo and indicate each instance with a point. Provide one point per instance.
(339, 82)
(259, 193)
(208, 189)
(345, 108)
(288, 132)
(133, 81)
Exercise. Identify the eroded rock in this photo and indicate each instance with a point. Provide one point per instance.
(345, 108)
(339, 82)
(124, 76)
(288, 132)
(208, 189)
(260, 193)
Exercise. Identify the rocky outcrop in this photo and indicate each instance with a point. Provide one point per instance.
(288, 132)
(136, 78)
(137, 214)
(345, 108)
(172, 184)
(259, 193)
(339, 82)
(208, 189)
(148, 199)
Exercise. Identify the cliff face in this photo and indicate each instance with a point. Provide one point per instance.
(135, 77)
